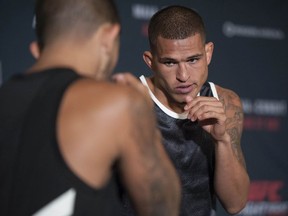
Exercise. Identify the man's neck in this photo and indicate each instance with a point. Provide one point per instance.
(164, 98)
(63, 55)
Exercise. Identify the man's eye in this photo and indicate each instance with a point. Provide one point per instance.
(169, 64)
(193, 60)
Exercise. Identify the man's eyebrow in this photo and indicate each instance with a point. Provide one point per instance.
(162, 59)
(195, 56)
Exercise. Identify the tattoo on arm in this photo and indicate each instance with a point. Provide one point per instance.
(234, 122)
(158, 174)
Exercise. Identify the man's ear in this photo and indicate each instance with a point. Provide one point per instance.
(147, 57)
(209, 47)
(34, 49)
(110, 35)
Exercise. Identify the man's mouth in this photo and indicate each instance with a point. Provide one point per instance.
(184, 89)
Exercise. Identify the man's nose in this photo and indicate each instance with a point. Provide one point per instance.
(182, 74)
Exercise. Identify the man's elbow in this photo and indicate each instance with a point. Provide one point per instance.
(233, 210)
(237, 205)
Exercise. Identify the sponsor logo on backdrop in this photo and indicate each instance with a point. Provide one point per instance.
(143, 12)
(264, 114)
(265, 199)
(232, 30)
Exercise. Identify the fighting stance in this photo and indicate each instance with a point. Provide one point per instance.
(70, 139)
(201, 123)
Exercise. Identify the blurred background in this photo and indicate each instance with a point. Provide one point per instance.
(250, 57)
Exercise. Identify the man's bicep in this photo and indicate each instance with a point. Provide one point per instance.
(147, 172)
(234, 121)
(140, 157)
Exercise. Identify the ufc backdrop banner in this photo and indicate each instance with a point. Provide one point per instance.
(250, 57)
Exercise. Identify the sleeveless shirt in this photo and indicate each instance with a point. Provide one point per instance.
(35, 179)
(191, 150)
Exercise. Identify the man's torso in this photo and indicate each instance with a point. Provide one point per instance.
(35, 177)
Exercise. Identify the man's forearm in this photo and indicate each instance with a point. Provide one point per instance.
(231, 179)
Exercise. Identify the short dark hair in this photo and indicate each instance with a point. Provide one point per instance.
(175, 22)
(56, 17)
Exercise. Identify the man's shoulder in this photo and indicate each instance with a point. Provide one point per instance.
(100, 110)
(228, 95)
(103, 96)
